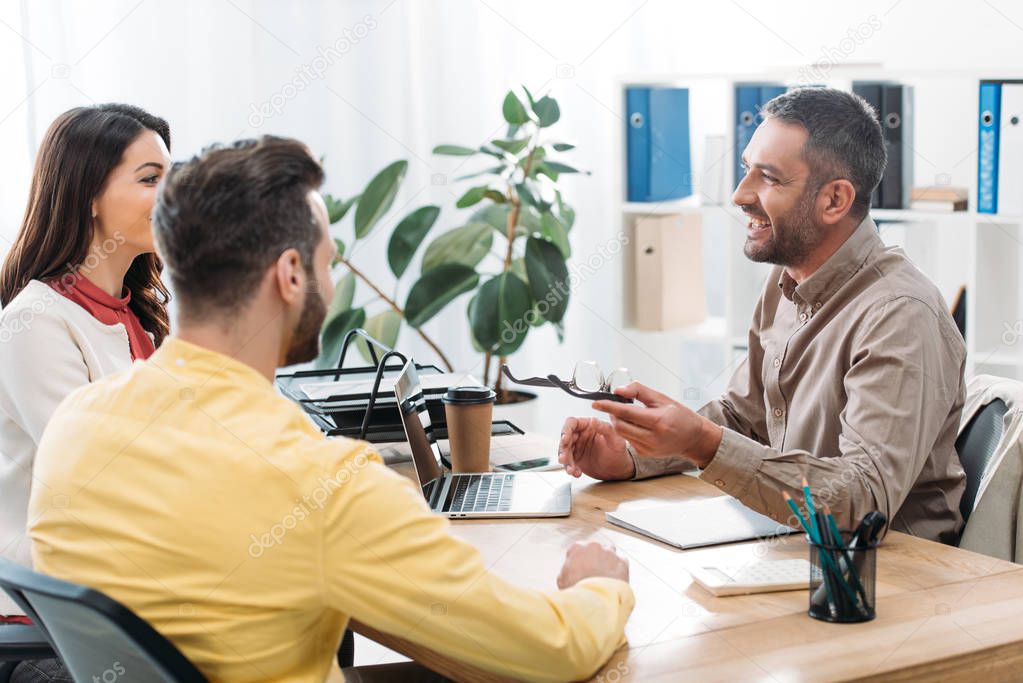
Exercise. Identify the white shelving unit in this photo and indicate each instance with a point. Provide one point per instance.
(982, 252)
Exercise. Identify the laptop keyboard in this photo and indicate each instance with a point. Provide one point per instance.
(482, 493)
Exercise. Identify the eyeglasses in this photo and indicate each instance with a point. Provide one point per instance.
(588, 381)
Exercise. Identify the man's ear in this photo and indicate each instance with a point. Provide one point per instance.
(290, 277)
(836, 199)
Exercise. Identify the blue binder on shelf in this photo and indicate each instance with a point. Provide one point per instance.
(750, 98)
(987, 146)
(657, 135)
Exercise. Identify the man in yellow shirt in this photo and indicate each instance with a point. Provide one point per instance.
(191, 491)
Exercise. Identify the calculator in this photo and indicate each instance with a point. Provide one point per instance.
(761, 576)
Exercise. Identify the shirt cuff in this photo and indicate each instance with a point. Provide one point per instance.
(655, 467)
(734, 464)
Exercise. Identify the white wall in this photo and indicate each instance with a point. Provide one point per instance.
(431, 72)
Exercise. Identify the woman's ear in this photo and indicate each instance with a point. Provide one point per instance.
(95, 211)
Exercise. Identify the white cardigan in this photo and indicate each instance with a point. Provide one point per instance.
(49, 346)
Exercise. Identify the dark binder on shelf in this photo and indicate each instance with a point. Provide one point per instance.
(896, 124)
(359, 401)
(871, 92)
(657, 139)
(750, 98)
(893, 104)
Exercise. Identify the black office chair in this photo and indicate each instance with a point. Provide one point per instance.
(976, 444)
(93, 633)
(20, 642)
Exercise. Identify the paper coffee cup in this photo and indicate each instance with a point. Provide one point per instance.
(469, 412)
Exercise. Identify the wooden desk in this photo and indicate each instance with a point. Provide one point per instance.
(941, 612)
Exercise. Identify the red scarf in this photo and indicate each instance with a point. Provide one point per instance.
(107, 309)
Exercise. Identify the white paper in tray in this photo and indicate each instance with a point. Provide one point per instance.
(318, 390)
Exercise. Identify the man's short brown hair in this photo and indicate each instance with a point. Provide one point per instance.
(223, 217)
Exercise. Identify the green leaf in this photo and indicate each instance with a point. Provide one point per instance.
(384, 327)
(511, 146)
(513, 110)
(526, 195)
(543, 168)
(529, 96)
(553, 230)
(378, 197)
(472, 196)
(336, 208)
(548, 278)
(494, 196)
(529, 219)
(493, 170)
(340, 249)
(496, 216)
(498, 317)
(565, 212)
(436, 289)
(471, 313)
(407, 237)
(344, 293)
(518, 266)
(466, 245)
(564, 168)
(454, 150)
(538, 155)
(495, 152)
(547, 111)
(562, 146)
(333, 336)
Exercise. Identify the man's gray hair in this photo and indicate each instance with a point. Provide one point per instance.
(845, 139)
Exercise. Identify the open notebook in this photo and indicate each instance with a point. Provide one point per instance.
(695, 523)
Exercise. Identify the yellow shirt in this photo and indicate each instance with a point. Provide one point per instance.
(192, 492)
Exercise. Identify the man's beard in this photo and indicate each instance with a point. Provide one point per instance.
(793, 236)
(305, 341)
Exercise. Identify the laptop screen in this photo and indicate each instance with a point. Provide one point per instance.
(416, 420)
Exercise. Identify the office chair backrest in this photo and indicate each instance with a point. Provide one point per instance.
(976, 445)
(96, 637)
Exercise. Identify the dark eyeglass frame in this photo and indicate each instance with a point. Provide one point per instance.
(556, 382)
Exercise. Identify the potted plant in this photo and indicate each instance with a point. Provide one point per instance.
(516, 202)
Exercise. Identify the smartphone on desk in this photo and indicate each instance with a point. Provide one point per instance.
(527, 465)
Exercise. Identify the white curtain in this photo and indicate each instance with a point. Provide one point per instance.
(368, 82)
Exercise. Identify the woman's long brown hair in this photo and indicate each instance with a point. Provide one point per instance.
(81, 148)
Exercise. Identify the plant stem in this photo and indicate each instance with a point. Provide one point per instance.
(486, 368)
(500, 376)
(513, 221)
(397, 309)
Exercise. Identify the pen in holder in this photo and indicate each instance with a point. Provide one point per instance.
(842, 579)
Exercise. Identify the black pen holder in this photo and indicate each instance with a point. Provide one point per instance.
(842, 582)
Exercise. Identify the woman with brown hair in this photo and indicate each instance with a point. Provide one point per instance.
(80, 288)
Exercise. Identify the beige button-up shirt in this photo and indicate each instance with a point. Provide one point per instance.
(854, 380)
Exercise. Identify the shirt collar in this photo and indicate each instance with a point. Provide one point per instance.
(90, 290)
(188, 362)
(836, 271)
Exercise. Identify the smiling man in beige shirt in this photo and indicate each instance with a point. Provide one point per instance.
(854, 378)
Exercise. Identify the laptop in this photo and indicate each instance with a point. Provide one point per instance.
(490, 494)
